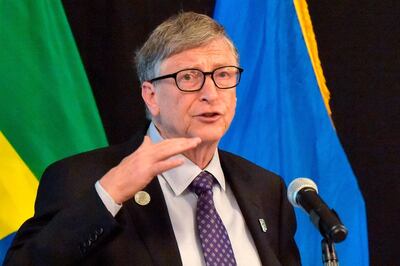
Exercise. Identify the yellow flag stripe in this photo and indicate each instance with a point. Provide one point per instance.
(311, 43)
(18, 188)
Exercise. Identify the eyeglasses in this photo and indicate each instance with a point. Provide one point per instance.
(192, 79)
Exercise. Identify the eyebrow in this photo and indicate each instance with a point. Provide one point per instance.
(214, 66)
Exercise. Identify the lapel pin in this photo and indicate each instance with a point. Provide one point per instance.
(263, 225)
(142, 198)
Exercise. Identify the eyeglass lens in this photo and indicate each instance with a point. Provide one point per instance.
(193, 79)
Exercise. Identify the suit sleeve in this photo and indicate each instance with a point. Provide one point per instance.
(70, 221)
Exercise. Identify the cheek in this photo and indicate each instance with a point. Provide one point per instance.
(231, 105)
(175, 107)
(167, 101)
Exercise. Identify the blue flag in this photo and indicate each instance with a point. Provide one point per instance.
(282, 124)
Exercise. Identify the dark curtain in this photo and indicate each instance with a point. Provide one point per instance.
(359, 44)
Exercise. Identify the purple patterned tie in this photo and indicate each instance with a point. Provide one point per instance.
(214, 239)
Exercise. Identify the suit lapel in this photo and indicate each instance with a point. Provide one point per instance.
(154, 226)
(152, 220)
(252, 206)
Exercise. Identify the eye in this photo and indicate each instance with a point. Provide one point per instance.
(224, 73)
(189, 76)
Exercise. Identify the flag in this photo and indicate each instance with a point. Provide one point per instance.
(47, 110)
(281, 120)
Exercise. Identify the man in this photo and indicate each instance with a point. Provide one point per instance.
(170, 197)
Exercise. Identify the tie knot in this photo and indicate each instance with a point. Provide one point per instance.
(202, 183)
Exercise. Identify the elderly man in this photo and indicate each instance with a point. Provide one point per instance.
(169, 196)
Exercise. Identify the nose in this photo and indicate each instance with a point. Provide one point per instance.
(209, 91)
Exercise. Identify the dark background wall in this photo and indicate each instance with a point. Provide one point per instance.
(359, 45)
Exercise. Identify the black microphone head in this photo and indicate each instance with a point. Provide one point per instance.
(303, 193)
(296, 185)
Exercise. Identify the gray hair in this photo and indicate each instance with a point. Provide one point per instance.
(178, 33)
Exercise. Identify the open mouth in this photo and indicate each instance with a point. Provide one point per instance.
(209, 117)
(210, 114)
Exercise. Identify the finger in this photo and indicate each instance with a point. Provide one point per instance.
(146, 140)
(146, 144)
(166, 165)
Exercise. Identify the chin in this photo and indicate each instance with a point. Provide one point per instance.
(210, 135)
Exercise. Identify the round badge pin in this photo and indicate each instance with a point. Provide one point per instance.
(142, 198)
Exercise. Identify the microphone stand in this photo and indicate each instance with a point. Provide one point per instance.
(329, 257)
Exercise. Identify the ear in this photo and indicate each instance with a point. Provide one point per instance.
(149, 97)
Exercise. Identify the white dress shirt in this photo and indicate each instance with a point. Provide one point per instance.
(181, 205)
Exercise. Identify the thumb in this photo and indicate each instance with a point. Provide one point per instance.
(146, 140)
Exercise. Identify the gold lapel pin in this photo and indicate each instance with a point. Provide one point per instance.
(142, 198)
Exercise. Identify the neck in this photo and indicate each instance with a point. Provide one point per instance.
(202, 154)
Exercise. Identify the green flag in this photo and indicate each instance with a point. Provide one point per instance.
(47, 110)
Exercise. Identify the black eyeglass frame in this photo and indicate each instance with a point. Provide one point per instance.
(174, 75)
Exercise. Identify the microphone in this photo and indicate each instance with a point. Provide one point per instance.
(303, 192)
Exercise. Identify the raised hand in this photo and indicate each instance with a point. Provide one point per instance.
(136, 170)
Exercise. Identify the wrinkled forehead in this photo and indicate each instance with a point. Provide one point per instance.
(222, 40)
(221, 44)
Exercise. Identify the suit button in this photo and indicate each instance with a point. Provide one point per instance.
(83, 248)
(93, 237)
(99, 231)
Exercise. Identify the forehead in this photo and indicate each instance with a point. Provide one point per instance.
(211, 55)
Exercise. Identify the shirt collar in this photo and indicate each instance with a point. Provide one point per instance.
(179, 178)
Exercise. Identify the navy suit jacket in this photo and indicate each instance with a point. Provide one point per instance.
(71, 225)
